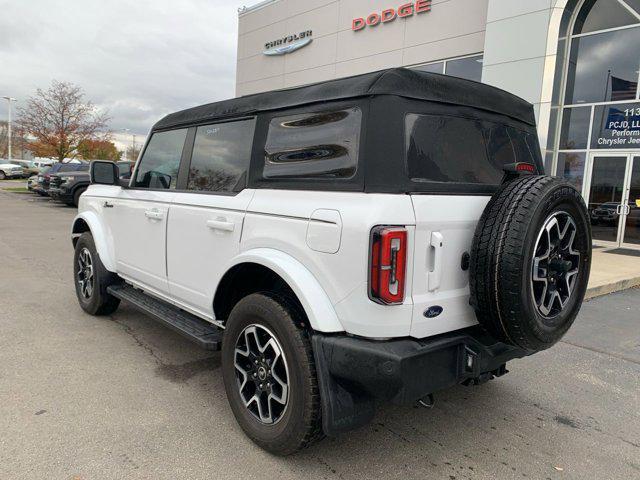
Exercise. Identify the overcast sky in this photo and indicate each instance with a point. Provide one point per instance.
(139, 59)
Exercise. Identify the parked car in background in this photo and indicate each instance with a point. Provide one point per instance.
(44, 178)
(10, 170)
(27, 169)
(605, 213)
(67, 187)
(32, 182)
(42, 163)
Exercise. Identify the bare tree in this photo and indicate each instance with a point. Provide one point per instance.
(59, 120)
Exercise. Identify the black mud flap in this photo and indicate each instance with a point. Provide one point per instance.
(342, 408)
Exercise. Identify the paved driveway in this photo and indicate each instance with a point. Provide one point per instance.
(121, 397)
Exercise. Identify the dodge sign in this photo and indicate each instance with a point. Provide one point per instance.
(390, 14)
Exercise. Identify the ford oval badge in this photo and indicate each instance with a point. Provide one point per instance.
(433, 311)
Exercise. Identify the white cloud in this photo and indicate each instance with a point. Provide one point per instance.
(140, 60)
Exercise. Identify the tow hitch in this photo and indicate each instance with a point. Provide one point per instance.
(485, 377)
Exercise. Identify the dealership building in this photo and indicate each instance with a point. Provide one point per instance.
(576, 61)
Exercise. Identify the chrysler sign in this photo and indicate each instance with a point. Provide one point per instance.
(288, 44)
(390, 14)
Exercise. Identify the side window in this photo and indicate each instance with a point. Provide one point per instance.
(448, 149)
(221, 154)
(320, 145)
(159, 165)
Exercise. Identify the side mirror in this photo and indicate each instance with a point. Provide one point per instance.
(104, 173)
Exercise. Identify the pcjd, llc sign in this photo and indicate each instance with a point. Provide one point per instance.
(390, 14)
(619, 126)
(288, 44)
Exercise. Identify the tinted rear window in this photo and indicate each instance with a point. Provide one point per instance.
(442, 149)
(317, 145)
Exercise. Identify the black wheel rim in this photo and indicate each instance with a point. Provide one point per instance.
(262, 374)
(556, 265)
(84, 275)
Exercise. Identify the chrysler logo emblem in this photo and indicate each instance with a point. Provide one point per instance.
(288, 44)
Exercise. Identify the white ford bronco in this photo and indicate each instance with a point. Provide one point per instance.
(368, 239)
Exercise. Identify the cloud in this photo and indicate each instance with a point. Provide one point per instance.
(138, 60)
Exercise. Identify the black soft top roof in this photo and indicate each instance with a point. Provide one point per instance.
(401, 82)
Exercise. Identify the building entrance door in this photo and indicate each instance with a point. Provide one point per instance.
(613, 199)
(631, 225)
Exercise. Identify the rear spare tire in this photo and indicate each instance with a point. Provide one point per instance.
(530, 261)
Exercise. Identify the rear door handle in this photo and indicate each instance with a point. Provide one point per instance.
(434, 277)
(154, 214)
(221, 225)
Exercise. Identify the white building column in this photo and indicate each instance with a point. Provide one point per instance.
(521, 51)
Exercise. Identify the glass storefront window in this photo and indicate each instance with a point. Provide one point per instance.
(604, 67)
(601, 102)
(557, 80)
(571, 167)
(432, 67)
(616, 126)
(551, 134)
(635, 4)
(469, 68)
(601, 15)
(575, 128)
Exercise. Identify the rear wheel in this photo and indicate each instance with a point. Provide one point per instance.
(530, 261)
(91, 279)
(269, 374)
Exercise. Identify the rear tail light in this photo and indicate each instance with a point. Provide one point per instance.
(388, 264)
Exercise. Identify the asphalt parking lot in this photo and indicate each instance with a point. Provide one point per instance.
(122, 397)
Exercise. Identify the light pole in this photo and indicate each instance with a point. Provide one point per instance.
(133, 142)
(9, 100)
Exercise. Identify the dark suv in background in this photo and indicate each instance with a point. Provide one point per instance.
(67, 186)
(44, 179)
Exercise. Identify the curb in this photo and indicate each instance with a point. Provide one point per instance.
(612, 287)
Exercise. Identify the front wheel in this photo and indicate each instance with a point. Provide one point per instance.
(2, 175)
(269, 374)
(91, 279)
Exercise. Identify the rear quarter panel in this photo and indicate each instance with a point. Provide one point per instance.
(289, 221)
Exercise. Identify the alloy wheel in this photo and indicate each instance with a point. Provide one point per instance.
(556, 264)
(85, 276)
(262, 374)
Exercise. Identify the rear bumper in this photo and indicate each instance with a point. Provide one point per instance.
(355, 373)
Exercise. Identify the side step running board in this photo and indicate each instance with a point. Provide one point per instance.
(200, 331)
